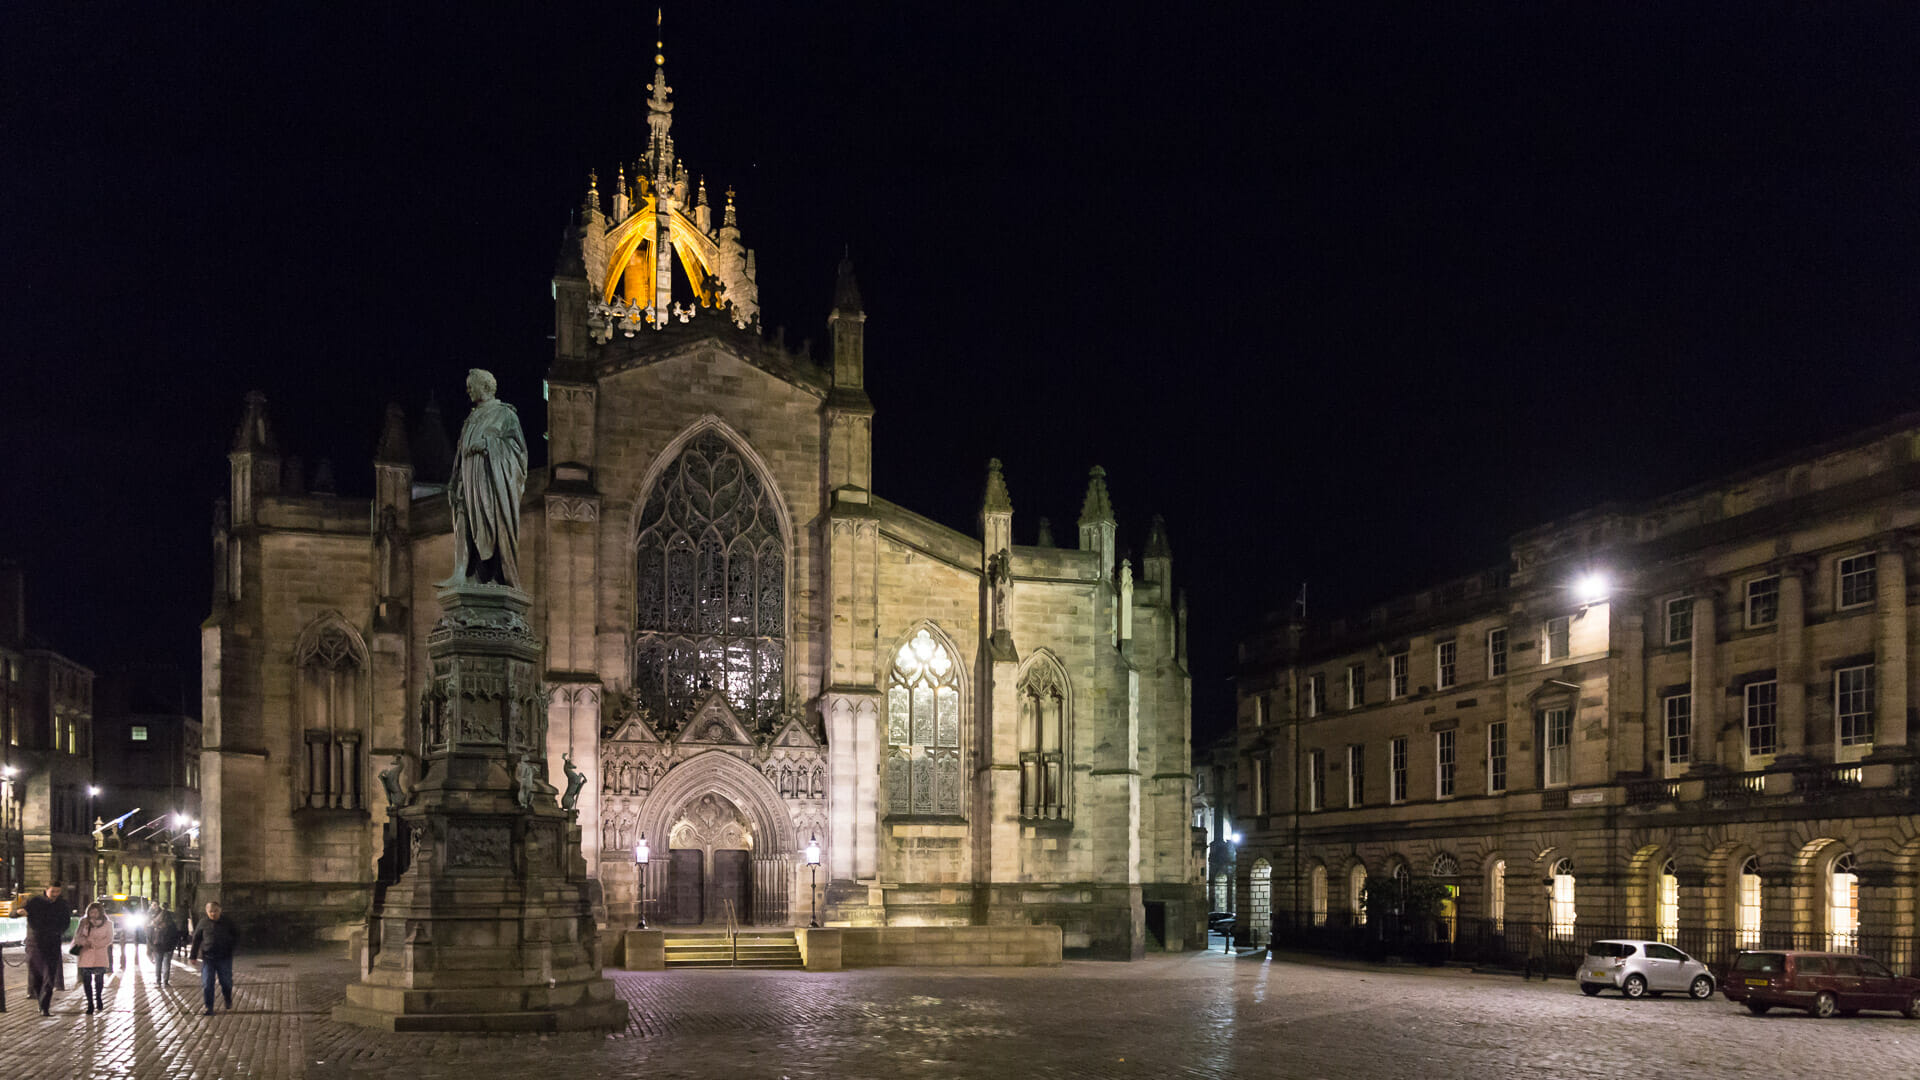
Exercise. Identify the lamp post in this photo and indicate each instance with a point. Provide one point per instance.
(813, 880)
(93, 793)
(1233, 886)
(640, 856)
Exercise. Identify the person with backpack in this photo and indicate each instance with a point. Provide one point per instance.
(162, 938)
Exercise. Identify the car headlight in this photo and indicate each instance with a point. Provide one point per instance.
(136, 920)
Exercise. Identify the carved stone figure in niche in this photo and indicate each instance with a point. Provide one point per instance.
(575, 781)
(489, 475)
(609, 834)
(433, 718)
(390, 780)
(528, 782)
(1000, 577)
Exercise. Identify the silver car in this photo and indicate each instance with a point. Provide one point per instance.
(1639, 968)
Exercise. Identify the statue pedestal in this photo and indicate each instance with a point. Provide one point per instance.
(490, 928)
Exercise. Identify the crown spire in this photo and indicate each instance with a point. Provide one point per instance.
(659, 109)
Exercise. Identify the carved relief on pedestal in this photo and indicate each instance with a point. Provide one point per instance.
(477, 845)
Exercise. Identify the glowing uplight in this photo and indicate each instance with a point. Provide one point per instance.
(1592, 588)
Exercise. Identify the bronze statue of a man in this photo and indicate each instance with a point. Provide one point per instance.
(489, 475)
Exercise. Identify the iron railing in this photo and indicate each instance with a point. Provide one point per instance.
(1548, 949)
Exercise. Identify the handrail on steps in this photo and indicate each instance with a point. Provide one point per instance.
(733, 936)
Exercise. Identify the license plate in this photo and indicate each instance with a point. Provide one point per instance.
(1757, 982)
(1598, 974)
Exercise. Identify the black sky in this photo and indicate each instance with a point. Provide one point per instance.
(1349, 293)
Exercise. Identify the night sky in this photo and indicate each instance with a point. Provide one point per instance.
(1349, 293)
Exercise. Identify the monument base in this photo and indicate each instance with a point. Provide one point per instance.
(490, 925)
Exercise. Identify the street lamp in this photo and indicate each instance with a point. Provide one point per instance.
(93, 793)
(813, 880)
(640, 856)
(1233, 885)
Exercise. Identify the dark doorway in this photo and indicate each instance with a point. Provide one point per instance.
(685, 881)
(1157, 923)
(730, 878)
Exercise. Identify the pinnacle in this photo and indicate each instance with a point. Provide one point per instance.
(1097, 507)
(997, 501)
(846, 291)
(393, 448)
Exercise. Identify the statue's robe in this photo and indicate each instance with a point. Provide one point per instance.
(484, 490)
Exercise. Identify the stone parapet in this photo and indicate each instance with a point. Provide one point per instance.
(821, 949)
(950, 946)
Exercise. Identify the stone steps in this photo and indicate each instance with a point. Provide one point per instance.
(754, 951)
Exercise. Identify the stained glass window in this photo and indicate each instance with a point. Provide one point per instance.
(923, 730)
(710, 590)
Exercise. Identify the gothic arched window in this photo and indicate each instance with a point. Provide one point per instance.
(923, 729)
(331, 668)
(1043, 738)
(710, 590)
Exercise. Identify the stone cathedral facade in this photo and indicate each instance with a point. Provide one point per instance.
(746, 647)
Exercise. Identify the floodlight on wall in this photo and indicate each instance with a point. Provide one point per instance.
(1592, 587)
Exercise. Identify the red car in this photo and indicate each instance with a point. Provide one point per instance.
(1821, 983)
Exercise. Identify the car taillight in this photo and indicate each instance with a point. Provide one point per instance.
(1619, 961)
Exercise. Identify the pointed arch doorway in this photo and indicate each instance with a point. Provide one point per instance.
(709, 855)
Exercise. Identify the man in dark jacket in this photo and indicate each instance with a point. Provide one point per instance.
(48, 917)
(213, 944)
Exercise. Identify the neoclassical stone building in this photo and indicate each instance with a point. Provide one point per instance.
(746, 646)
(1690, 719)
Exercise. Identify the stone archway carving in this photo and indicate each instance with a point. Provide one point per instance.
(742, 784)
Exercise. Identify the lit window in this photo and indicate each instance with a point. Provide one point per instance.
(1497, 896)
(1853, 705)
(1357, 893)
(1316, 695)
(1317, 894)
(1496, 757)
(1496, 652)
(1259, 710)
(138, 733)
(923, 730)
(1667, 917)
(1559, 639)
(1397, 671)
(1356, 686)
(1857, 580)
(1763, 601)
(1679, 714)
(1443, 745)
(1317, 780)
(1561, 915)
(1259, 785)
(1680, 620)
(1557, 736)
(1746, 914)
(1356, 775)
(1843, 905)
(1763, 735)
(1443, 658)
(1397, 759)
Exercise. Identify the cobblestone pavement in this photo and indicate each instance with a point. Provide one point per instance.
(1168, 1016)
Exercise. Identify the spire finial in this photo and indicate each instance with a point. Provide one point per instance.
(1097, 507)
(728, 219)
(593, 190)
(997, 500)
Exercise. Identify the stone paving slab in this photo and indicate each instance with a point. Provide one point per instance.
(1168, 1016)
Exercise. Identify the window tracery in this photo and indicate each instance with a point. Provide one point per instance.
(710, 590)
(331, 666)
(923, 729)
(1043, 739)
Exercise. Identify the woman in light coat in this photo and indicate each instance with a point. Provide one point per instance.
(93, 944)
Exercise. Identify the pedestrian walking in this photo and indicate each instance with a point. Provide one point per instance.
(213, 943)
(93, 944)
(47, 919)
(162, 938)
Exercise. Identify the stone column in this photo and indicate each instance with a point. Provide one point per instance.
(1790, 656)
(491, 926)
(1890, 649)
(1704, 680)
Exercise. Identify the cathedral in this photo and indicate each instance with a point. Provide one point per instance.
(750, 654)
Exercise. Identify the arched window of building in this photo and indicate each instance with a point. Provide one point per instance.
(1843, 904)
(1746, 911)
(1561, 914)
(709, 590)
(1357, 893)
(1497, 896)
(1402, 880)
(1260, 902)
(1044, 728)
(330, 689)
(1317, 894)
(1667, 912)
(923, 729)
